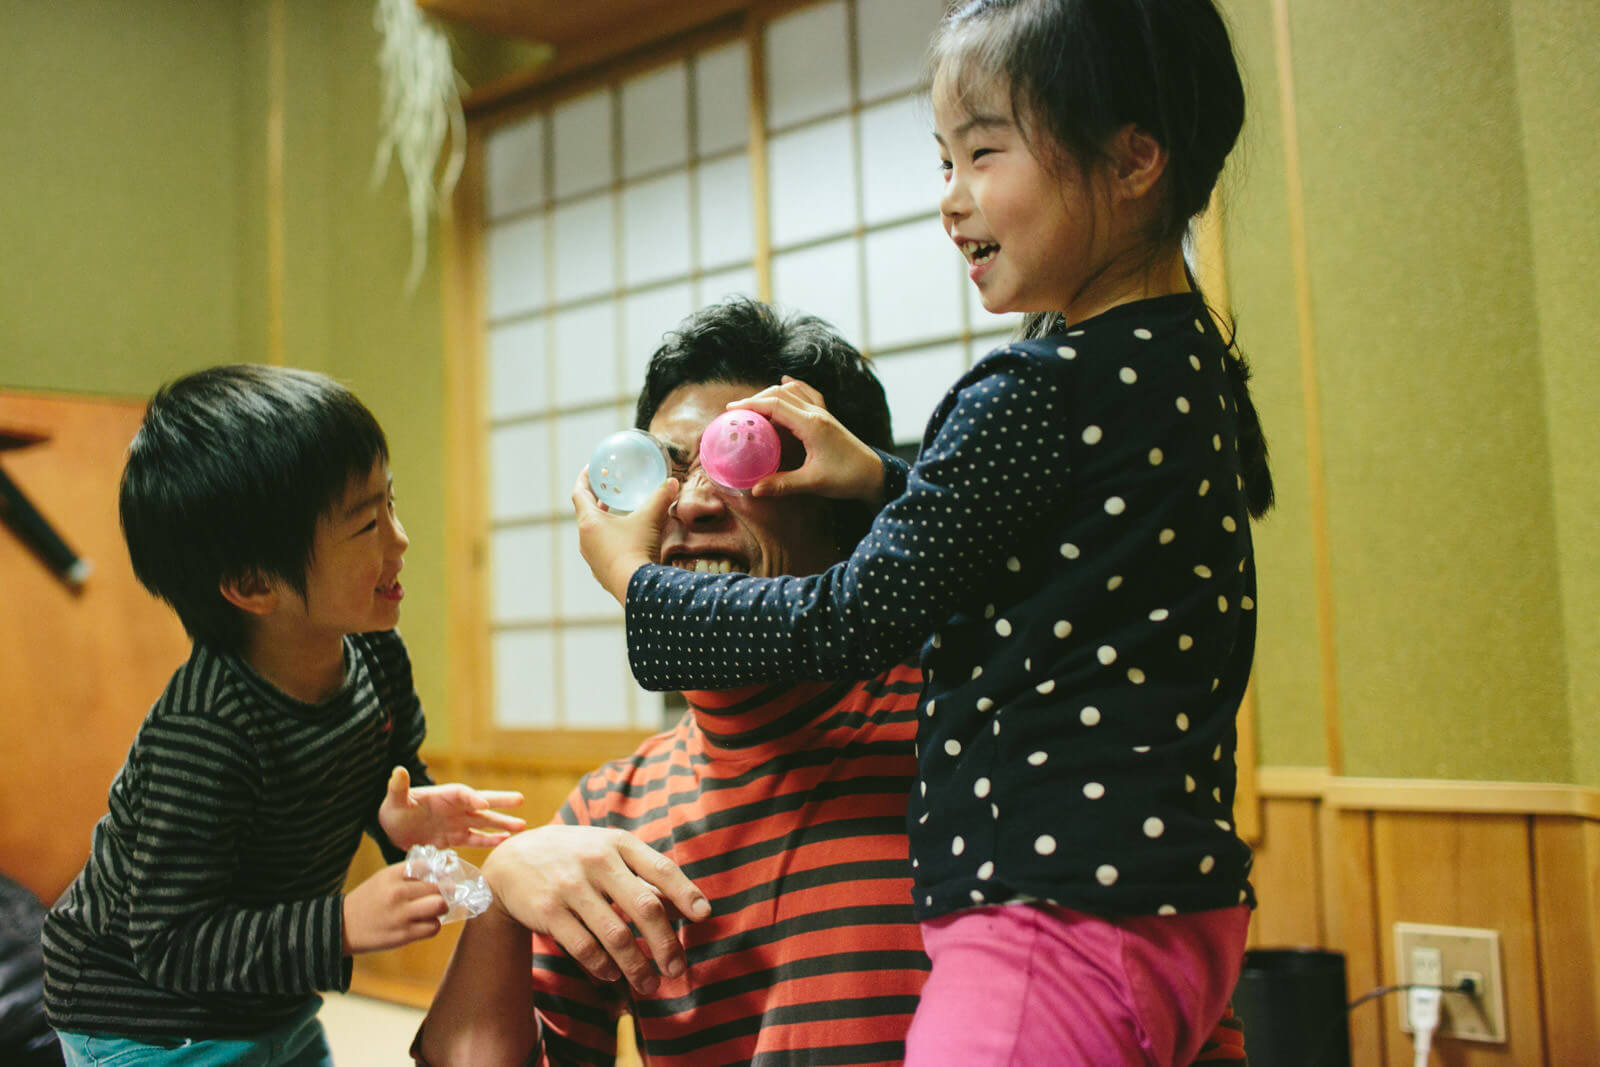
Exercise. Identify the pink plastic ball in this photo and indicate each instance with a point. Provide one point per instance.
(739, 449)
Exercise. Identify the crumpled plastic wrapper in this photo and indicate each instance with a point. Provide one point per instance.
(459, 882)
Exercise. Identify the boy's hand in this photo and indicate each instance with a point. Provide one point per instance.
(837, 464)
(615, 546)
(446, 815)
(582, 885)
(389, 910)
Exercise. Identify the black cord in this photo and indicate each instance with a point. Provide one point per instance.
(1469, 987)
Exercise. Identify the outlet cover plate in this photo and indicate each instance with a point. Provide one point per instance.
(1463, 951)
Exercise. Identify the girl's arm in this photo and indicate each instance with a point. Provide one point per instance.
(996, 461)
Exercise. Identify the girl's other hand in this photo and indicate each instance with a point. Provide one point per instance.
(837, 464)
(614, 545)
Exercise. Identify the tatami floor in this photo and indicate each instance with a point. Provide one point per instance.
(363, 1031)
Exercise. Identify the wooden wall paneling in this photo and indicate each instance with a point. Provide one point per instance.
(1462, 870)
(77, 671)
(1350, 902)
(1566, 867)
(1288, 912)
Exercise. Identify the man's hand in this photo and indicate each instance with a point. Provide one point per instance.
(615, 546)
(446, 815)
(570, 883)
(389, 910)
(837, 464)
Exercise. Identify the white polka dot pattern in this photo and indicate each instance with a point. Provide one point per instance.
(1090, 478)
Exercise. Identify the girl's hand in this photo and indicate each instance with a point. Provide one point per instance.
(837, 464)
(446, 815)
(389, 910)
(613, 545)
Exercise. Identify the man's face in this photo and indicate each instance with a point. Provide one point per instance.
(713, 529)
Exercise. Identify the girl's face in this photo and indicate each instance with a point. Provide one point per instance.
(1031, 233)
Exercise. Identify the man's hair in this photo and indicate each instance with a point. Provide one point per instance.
(226, 479)
(743, 341)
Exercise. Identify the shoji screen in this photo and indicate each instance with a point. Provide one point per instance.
(612, 214)
(853, 188)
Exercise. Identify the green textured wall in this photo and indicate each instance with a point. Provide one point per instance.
(1558, 81)
(1447, 154)
(135, 230)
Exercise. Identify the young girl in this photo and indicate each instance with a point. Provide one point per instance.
(1071, 551)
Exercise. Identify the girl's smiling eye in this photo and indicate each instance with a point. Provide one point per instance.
(979, 153)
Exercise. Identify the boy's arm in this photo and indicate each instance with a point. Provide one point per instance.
(199, 793)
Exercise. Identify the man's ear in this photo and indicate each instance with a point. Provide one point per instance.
(253, 593)
(1137, 162)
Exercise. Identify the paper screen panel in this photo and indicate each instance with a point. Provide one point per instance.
(522, 565)
(524, 679)
(514, 167)
(655, 120)
(586, 354)
(519, 471)
(812, 177)
(582, 144)
(913, 284)
(808, 72)
(584, 244)
(899, 161)
(915, 382)
(655, 229)
(824, 281)
(581, 597)
(646, 316)
(515, 256)
(715, 288)
(721, 98)
(726, 213)
(892, 36)
(594, 664)
(517, 369)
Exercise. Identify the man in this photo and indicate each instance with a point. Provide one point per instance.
(784, 805)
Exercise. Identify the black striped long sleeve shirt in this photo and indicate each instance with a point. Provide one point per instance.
(211, 903)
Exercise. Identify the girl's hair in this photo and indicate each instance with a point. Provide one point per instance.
(1078, 71)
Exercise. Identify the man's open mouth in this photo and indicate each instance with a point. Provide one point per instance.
(709, 564)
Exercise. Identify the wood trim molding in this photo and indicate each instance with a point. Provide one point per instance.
(1321, 551)
(1429, 794)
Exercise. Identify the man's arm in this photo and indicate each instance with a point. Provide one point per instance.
(482, 1012)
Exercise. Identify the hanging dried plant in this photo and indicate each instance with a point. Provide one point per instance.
(421, 111)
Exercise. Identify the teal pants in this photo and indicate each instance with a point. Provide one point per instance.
(298, 1043)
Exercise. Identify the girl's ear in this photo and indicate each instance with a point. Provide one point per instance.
(253, 593)
(1138, 161)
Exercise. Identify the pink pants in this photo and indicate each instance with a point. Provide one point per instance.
(1037, 984)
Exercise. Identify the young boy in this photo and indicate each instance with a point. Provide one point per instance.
(257, 502)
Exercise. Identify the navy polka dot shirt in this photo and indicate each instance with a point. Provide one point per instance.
(1072, 553)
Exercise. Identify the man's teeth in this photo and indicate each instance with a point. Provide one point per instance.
(704, 566)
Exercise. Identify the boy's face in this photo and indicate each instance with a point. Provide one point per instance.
(353, 580)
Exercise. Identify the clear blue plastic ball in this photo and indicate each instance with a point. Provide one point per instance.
(625, 468)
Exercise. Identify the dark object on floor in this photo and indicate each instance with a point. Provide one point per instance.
(1292, 1003)
(26, 1040)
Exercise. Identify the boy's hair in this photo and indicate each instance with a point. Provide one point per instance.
(743, 341)
(1078, 71)
(226, 480)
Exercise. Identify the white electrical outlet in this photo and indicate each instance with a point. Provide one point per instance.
(1445, 956)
